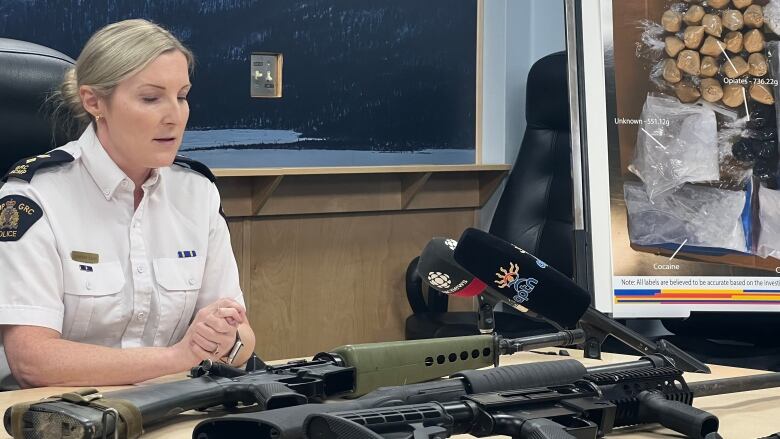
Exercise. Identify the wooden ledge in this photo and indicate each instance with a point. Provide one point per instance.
(257, 172)
(312, 191)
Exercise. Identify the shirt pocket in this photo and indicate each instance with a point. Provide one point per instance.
(92, 299)
(179, 280)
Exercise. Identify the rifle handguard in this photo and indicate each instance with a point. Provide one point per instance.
(521, 376)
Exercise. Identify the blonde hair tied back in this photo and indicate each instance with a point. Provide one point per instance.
(111, 55)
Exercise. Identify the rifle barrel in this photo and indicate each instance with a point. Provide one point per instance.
(735, 385)
(562, 338)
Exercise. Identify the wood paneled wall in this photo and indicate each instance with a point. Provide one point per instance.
(322, 261)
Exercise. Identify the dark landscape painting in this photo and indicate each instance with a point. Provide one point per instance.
(366, 82)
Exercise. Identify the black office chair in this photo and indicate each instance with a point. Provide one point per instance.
(28, 74)
(534, 211)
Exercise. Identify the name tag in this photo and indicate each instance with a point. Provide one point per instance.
(87, 258)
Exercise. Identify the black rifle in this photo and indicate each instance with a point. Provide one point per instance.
(287, 423)
(349, 370)
(584, 409)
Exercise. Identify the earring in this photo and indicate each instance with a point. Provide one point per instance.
(97, 118)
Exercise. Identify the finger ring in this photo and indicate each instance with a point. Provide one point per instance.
(216, 351)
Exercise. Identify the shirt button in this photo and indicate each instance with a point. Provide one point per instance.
(140, 268)
(140, 315)
(191, 281)
(106, 193)
(88, 285)
(136, 224)
(124, 183)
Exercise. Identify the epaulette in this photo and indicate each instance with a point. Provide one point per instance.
(24, 169)
(195, 166)
(201, 169)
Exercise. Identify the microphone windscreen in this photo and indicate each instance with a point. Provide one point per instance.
(521, 278)
(438, 270)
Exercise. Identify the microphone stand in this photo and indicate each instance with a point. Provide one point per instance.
(597, 326)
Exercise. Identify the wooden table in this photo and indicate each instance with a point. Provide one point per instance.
(747, 415)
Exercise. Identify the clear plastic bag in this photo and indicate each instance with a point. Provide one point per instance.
(652, 38)
(704, 216)
(681, 146)
(657, 77)
(772, 16)
(769, 217)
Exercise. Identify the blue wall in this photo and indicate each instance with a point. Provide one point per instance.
(365, 76)
(516, 34)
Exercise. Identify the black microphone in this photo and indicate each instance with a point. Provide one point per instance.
(526, 281)
(438, 270)
(521, 278)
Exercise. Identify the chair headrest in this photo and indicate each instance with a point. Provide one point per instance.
(547, 93)
(28, 74)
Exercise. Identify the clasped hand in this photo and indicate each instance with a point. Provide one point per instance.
(212, 333)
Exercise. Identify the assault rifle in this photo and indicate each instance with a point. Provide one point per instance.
(351, 370)
(584, 409)
(287, 423)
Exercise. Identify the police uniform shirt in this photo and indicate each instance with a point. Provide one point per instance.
(77, 258)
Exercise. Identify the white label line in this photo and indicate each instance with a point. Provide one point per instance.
(727, 57)
(651, 136)
(744, 97)
(678, 249)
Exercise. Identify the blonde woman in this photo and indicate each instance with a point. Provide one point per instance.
(115, 261)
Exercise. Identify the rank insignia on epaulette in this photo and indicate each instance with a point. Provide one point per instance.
(25, 169)
(17, 215)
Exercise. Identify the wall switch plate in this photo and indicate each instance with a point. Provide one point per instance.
(266, 75)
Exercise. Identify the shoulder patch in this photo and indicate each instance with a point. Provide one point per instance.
(24, 169)
(201, 169)
(17, 215)
(195, 166)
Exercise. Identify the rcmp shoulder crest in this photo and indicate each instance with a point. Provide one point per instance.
(25, 169)
(17, 215)
(9, 217)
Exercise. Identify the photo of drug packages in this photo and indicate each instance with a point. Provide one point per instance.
(695, 169)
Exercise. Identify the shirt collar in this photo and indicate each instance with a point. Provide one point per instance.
(107, 175)
(154, 177)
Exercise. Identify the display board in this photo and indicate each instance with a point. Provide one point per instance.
(365, 82)
(688, 218)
